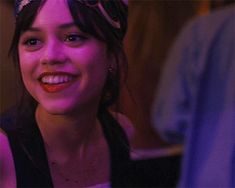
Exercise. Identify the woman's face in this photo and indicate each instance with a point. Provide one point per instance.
(62, 68)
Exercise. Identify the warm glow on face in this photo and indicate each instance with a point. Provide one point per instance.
(62, 67)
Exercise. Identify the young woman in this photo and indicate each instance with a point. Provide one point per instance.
(72, 62)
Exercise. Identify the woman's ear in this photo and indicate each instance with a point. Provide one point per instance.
(113, 63)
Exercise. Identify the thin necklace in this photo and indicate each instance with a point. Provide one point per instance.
(62, 175)
(84, 173)
(81, 174)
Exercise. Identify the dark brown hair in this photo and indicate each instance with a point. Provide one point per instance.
(89, 21)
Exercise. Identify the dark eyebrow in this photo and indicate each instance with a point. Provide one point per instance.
(33, 29)
(62, 26)
(67, 25)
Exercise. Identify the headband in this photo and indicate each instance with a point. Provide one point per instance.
(114, 22)
(20, 4)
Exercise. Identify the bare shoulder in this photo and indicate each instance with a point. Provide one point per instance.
(125, 123)
(4, 144)
(7, 170)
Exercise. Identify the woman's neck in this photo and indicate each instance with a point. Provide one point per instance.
(76, 149)
(67, 135)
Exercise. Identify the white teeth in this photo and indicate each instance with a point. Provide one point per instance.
(58, 79)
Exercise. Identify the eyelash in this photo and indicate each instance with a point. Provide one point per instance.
(32, 43)
(75, 38)
(28, 42)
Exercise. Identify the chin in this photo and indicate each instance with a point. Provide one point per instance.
(69, 107)
(59, 109)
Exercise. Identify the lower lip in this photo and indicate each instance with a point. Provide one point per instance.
(54, 88)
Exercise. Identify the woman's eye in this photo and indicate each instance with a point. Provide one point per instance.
(75, 38)
(32, 42)
(72, 38)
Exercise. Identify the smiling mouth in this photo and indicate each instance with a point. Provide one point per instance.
(56, 79)
(56, 82)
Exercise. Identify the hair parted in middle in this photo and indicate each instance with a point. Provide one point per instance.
(90, 20)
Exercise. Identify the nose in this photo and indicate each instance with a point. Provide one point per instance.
(53, 53)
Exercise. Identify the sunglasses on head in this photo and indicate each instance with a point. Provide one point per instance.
(106, 11)
(105, 7)
(90, 3)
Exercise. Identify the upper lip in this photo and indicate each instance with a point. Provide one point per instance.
(55, 74)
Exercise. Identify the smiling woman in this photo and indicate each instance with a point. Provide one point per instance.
(72, 64)
(62, 67)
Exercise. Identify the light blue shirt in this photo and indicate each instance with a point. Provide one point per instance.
(195, 102)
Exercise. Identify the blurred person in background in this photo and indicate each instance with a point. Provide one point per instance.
(194, 102)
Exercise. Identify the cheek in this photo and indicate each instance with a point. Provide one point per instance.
(24, 67)
(97, 69)
(27, 68)
(94, 63)
(28, 61)
(95, 73)
(95, 76)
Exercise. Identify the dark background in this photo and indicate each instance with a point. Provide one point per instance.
(153, 26)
